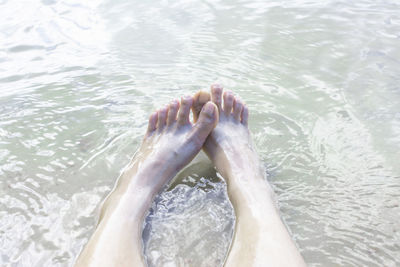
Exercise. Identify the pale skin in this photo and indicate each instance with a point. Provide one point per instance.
(171, 142)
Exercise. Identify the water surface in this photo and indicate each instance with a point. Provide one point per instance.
(321, 78)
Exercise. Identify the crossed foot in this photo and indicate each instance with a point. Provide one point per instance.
(171, 142)
(220, 128)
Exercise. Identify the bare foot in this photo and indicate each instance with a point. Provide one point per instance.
(260, 238)
(171, 142)
(229, 145)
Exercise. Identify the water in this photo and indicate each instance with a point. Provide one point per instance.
(321, 78)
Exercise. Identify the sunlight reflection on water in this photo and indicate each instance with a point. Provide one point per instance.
(78, 81)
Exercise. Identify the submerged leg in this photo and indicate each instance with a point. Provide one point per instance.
(170, 143)
(260, 238)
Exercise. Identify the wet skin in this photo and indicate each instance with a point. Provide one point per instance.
(170, 143)
(260, 238)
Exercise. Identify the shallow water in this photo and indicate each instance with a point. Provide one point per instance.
(321, 78)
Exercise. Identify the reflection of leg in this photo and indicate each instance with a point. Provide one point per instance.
(261, 238)
(170, 143)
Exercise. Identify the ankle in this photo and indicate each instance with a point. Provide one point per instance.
(250, 191)
(151, 175)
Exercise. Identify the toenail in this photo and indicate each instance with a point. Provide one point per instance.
(217, 86)
(186, 99)
(209, 109)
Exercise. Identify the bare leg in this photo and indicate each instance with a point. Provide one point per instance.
(261, 238)
(170, 143)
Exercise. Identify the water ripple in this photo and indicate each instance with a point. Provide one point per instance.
(78, 81)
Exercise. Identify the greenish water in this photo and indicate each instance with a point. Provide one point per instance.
(321, 79)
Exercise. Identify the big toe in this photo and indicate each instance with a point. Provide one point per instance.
(207, 120)
(199, 100)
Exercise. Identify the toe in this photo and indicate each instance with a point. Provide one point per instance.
(162, 118)
(152, 123)
(216, 95)
(184, 110)
(228, 102)
(199, 99)
(237, 109)
(245, 115)
(172, 111)
(207, 121)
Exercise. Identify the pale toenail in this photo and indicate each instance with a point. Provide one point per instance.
(186, 99)
(217, 86)
(209, 109)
